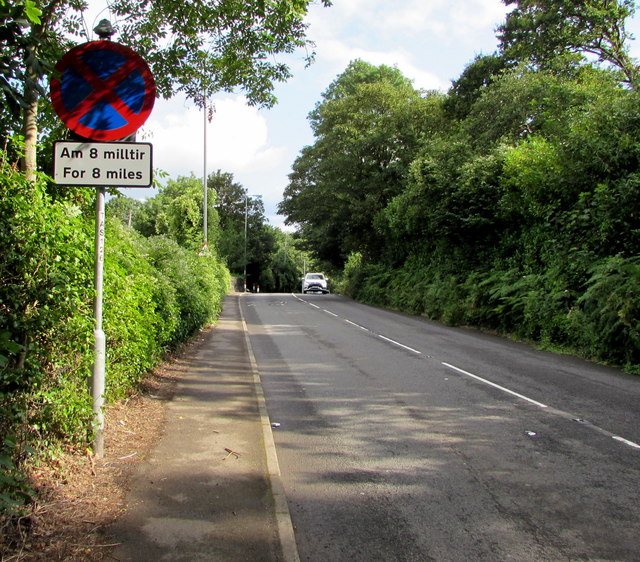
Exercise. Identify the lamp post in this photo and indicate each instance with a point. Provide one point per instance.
(204, 180)
(246, 214)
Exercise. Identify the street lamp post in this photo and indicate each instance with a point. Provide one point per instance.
(246, 214)
(204, 181)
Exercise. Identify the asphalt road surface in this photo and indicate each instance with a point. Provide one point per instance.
(401, 439)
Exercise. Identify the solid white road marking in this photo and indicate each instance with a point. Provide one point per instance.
(394, 342)
(493, 384)
(626, 441)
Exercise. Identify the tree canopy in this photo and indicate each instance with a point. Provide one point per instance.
(193, 48)
(511, 202)
(366, 129)
(542, 31)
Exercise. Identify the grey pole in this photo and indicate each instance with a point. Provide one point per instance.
(204, 179)
(105, 31)
(98, 379)
(246, 212)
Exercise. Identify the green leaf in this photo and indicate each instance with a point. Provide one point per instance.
(33, 12)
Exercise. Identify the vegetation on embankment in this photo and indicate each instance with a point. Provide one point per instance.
(512, 202)
(157, 294)
(598, 321)
(160, 286)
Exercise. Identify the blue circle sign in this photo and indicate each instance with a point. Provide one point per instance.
(103, 91)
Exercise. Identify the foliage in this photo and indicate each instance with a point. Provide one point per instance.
(177, 212)
(609, 307)
(200, 48)
(367, 128)
(287, 264)
(44, 301)
(197, 48)
(246, 241)
(199, 282)
(234, 205)
(514, 200)
(477, 76)
(15, 491)
(157, 294)
(31, 41)
(542, 31)
(45, 312)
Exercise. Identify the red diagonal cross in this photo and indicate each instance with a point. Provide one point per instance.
(102, 90)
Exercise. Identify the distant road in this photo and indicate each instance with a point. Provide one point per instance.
(401, 439)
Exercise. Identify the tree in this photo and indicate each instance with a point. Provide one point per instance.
(287, 263)
(199, 48)
(175, 212)
(124, 208)
(196, 48)
(234, 207)
(522, 101)
(467, 89)
(367, 128)
(541, 31)
(32, 39)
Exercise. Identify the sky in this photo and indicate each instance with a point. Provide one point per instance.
(429, 41)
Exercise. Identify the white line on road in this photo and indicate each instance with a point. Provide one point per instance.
(476, 377)
(541, 405)
(493, 384)
(626, 441)
(356, 325)
(394, 342)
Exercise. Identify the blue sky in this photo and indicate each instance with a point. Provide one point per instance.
(430, 41)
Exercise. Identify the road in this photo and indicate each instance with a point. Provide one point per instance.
(402, 439)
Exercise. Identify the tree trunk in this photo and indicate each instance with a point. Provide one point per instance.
(30, 114)
(30, 134)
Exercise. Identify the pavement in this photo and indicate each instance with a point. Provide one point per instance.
(211, 488)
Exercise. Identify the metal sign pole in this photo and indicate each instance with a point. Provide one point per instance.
(105, 113)
(99, 350)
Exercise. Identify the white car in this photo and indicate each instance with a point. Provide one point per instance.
(315, 283)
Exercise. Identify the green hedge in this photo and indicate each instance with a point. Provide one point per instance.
(601, 321)
(157, 295)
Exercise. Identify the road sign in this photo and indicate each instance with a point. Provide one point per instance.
(103, 91)
(102, 164)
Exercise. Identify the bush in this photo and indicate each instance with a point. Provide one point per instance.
(156, 295)
(601, 321)
(608, 318)
(200, 283)
(45, 322)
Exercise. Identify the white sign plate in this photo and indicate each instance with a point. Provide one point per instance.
(103, 164)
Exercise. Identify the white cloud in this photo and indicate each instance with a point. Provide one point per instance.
(237, 138)
(414, 16)
(339, 54)
(425, 20)
(430, 41)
